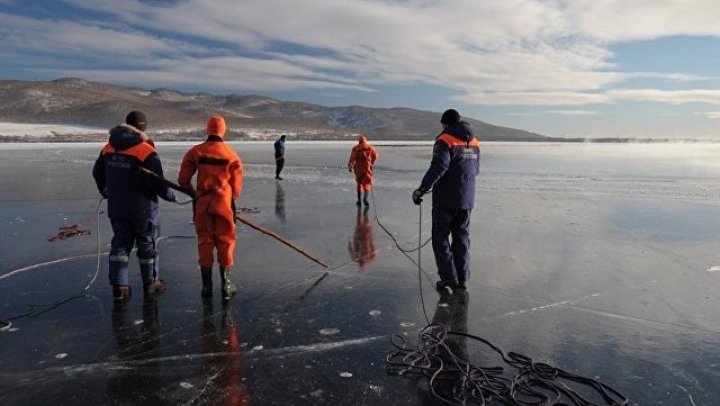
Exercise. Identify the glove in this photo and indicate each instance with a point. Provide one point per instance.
(417, 196)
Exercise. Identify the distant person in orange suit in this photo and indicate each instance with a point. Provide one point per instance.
(362, 159)
(362, 247)
(219, 182)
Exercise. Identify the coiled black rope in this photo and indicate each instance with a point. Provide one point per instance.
(452, 379)
(440, 356)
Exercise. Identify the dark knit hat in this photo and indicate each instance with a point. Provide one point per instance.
(136, 119)
(450, 117)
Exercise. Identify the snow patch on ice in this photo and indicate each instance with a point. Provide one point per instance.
(44, 130)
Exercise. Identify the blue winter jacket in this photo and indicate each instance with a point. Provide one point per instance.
(132, 194)
(279, 148)
(455, 164)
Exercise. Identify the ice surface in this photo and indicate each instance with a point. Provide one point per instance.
(593, 258)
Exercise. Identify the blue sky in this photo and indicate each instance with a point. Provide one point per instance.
(641, 68)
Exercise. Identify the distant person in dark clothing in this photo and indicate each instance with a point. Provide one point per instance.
(132, 202)
(451, 176)
(279, 156)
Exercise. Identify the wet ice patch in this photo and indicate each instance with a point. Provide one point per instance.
(186, 385)
(61, 355)
(329, 331)
(374, 313)
(346, 374)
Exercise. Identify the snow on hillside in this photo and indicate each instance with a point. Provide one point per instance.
(44, 130)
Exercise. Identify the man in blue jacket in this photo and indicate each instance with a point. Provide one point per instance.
(279, 156)
(451, 176)
(132, 202)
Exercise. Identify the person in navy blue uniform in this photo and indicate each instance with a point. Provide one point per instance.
(279, 156)
(132, 202)
(451, 177)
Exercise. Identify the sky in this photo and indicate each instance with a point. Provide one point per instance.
(566, 68)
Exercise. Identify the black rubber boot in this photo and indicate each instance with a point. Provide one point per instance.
(154, 289)
(121, 292)
(358, 200)
(206, 274)
(365, 198)
(228, 287)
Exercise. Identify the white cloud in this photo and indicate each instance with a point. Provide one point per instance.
(713, 115)
(533, 98)
(572, 112)
(667, 96)
(622, 20)
(223, 73)
(511, 52)
(70, 38)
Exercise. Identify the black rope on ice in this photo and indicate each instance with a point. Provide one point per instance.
(454, 380)
(39, 309)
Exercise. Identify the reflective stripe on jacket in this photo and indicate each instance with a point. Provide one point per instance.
(454, 166)
(131, 193)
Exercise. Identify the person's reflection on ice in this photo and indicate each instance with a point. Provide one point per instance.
(223, 344)
(136, 341)
(279, 202)
(362, 247)
(451, 312)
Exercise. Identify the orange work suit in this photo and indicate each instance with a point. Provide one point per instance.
(362, 159)
(219, 182)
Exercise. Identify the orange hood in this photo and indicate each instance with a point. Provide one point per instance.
(216, 126)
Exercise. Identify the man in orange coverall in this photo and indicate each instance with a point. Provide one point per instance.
(219, 182)
(362, 159)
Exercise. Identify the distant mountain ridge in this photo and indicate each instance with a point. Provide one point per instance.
(177, 115)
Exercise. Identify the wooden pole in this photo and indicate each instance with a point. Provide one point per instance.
(279, 238)
(240, 219)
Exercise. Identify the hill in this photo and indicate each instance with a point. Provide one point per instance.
(177, 115)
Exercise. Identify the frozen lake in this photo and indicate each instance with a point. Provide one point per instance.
(596, 258)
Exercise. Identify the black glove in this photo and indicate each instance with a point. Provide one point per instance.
(417, 196)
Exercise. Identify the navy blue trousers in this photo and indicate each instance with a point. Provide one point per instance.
(129, 233)
(452, 258)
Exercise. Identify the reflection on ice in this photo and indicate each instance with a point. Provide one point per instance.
(599, 258)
